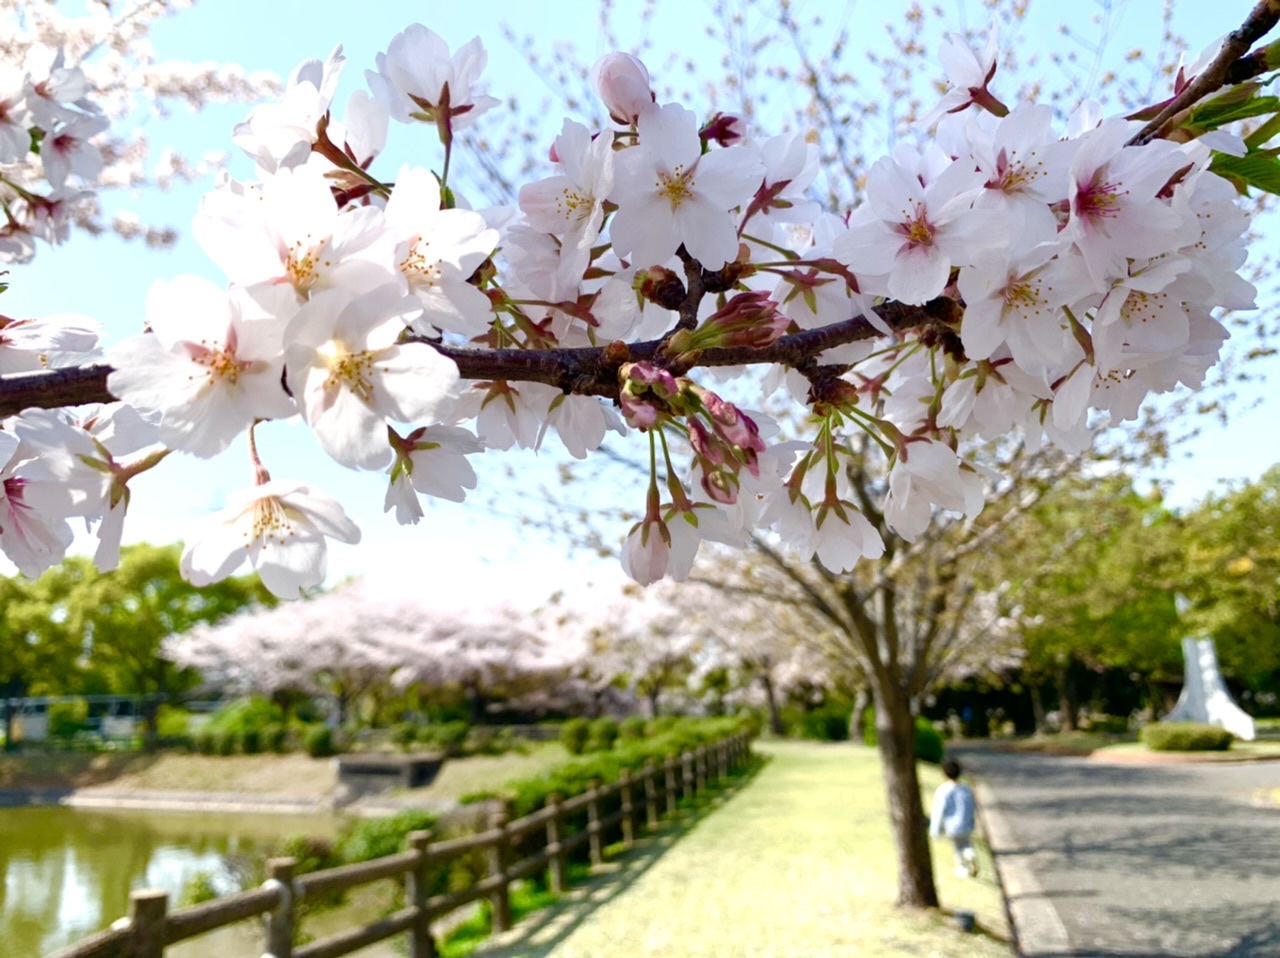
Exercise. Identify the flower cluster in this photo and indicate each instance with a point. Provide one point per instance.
(1011, 275)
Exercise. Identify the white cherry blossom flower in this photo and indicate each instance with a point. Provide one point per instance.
(417, 77)
(27, 345)
(913, 234)
(290, 232)
(210, 366)
(622, 83)
(34, 533)
(431, 460)
(281, 134)
(15, 118)
(279, 527)
(436, 252)
(350, 373)
(669, 193)
(926, 473)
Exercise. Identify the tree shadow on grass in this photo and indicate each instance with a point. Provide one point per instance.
(539, 933)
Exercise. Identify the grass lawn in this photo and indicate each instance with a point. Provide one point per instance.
(798, 864)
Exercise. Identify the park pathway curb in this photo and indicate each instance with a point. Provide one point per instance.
(1037, 929)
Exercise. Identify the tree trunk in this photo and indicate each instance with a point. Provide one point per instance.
(895, 732)
(1068, 708)
(1037, 707)
(653, 702)
(9, 744)
(858, 717)
(771, 699)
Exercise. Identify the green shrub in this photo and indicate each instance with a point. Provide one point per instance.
(631, 729)
(829, 722)
(662, 724)
(250, 741)
(204, 743)
(254, 713)
(1107, 724)
(574, 735)
(928, 742)
(200, 888)
(448, 737)
(404, 734)
(603, 734)
(172, 722)
(929, 745)
(67, 719)
(319, 742)
(224, 743)
(1186, 737)
(378, 837)
(275, 738)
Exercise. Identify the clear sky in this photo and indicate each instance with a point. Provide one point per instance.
(478, 548)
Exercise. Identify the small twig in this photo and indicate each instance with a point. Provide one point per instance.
(1235, 49)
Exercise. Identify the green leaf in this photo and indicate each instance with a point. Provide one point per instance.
(1216, 113)
(1260, 170)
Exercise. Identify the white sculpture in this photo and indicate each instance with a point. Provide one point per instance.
(1204, 695)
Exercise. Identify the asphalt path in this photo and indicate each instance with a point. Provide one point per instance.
(1134, 861)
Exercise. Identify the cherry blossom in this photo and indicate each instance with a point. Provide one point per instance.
(279, 527)
(418, 79)
(669, 193)
(210, 366)
(350, 373)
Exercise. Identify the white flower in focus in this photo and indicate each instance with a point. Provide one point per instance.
(915, 234)
(646, 552)
(350, 374)
(571, 206)
(669, 193)
(437, 251)
(417, 77)
(290, 232)
(924, 474)
(434, 464)
(280, 527)
(968, 74)
(210, 366)
(34, 534)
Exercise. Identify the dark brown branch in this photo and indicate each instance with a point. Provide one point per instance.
(1262, 18)
(588, 371)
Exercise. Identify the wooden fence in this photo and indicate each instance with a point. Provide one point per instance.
(641, 801)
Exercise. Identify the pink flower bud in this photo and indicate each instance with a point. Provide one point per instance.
(623, 85)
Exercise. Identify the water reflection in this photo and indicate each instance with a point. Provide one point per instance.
(66, 873)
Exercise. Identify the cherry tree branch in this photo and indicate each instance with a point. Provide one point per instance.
(1222, 71)
(588, 371)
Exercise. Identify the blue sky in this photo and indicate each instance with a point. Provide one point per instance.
(479, 548)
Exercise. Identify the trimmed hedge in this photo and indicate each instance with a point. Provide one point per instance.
(574, 735)
(1186, 737)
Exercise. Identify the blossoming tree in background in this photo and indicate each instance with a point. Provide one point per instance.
(1015, 277)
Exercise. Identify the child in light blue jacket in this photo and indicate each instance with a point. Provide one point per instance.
(953, 816)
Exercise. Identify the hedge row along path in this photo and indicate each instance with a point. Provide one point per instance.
(796, 864)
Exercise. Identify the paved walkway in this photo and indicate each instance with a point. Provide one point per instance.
(1135, 861)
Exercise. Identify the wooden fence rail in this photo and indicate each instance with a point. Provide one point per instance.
(150, 927)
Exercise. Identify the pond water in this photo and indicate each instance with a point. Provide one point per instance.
(66, 873)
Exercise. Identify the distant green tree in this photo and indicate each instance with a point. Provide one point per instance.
(122, 618)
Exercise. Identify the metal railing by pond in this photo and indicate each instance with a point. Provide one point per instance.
(641, 800)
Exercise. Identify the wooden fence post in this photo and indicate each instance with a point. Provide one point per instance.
(421, 944)
(559, 867)
(686, 774)
(650, 795)
(628, 810)
(498, 856)
(670, 768)
(147, 909)
(700, 769)
(593, 823)
(280, 921)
